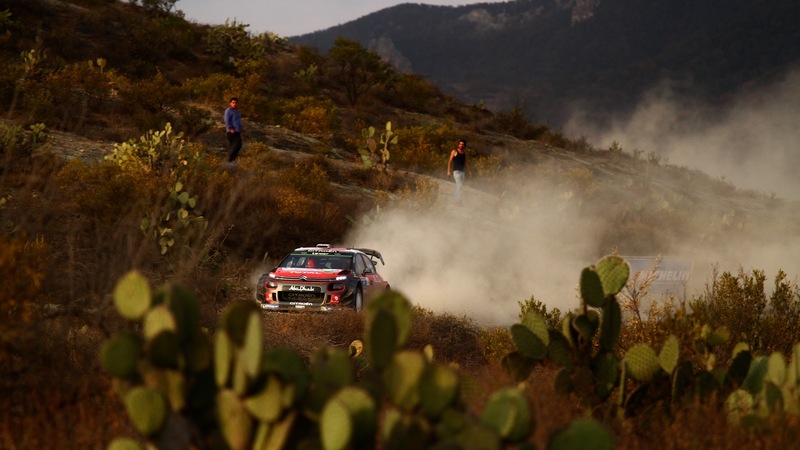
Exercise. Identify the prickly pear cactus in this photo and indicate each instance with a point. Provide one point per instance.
(771, 386)
(371, 153)
(180, 385)
(588, 369)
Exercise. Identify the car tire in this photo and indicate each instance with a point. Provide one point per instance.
(358, 300)
(260, 289)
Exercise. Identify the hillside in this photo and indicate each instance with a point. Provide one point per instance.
(551, 57)
(111, 160)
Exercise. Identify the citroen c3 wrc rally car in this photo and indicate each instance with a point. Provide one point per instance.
(322, 278)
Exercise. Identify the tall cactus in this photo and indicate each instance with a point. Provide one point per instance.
(370, 153)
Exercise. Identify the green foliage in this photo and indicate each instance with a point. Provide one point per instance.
(772, 386)
(584, 434)
(163, 6)
(736, 301)
(178, 221)
(261, 398)
(586, 347)
(412, 91)
(230, 44)
(516, 124)
(16, 143)
(496, 343)
(371, 153)
(156, 151)
(358, 69)
(781, 323)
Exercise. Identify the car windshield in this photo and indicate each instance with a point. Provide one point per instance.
(332, 261)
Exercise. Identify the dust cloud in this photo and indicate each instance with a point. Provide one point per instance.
(754, 145)
(480, 259)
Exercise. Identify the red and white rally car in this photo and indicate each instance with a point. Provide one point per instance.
(322, 278)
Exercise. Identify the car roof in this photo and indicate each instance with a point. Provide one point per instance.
(326, 248)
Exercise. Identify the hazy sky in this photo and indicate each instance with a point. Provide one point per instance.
(293, 17)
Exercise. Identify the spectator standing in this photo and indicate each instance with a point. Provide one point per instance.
(457, 166)
(233, 129)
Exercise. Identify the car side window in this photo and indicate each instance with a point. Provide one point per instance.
(368, 264)
(359, 265)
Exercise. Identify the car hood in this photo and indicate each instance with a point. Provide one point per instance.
(316, 274)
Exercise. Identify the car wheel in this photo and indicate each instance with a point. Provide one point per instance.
(260, 289)
(358, 299)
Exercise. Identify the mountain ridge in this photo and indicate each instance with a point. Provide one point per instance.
(549, 55)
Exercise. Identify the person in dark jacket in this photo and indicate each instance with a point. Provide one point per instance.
(457, 166)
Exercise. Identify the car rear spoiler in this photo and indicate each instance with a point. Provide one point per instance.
(372, 253)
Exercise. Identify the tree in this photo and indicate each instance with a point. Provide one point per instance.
(164, 6)
(359, 68)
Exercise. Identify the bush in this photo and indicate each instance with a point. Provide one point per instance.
(552, 318)
(22, 271)
(96, 191)
(739, 303)
(424, 148)
(312, 116)
(210, 89)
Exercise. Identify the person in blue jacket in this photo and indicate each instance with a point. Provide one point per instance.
(233, 129)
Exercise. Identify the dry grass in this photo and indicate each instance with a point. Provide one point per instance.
(52, 392)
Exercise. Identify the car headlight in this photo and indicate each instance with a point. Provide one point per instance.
(272, 285)
(341, 278)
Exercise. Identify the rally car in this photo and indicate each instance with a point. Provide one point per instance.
(322, 278)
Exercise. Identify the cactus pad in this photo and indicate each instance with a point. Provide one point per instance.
(591, 288)
(613, 272)
(641, 362)
(402, 379)
(132, 296)
(147, 409)
(584, 434)
(527, 342)
(438, 388)
(508, 414)
(120, 355)
(670, 351)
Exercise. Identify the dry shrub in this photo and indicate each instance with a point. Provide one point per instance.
(454, 339)
(490, 167)
(311, 116)
(22, 264)
(422, 196)
(211, 88)
(52, 393)
(308, 332)
(424, 148)
(496, 343)
(97, 191)
(703, 425)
